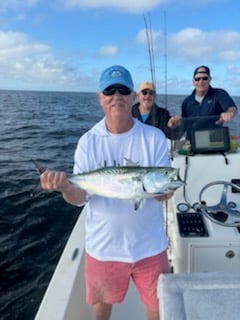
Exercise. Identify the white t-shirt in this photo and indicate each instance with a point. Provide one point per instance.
(114, 231)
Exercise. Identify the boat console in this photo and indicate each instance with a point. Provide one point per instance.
(203, 219)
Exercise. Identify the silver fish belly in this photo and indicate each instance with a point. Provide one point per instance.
(131, 182)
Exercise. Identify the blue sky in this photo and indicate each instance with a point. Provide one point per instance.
(63, 45)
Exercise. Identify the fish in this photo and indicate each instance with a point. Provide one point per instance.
(131, 182)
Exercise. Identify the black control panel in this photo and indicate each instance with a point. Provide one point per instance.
(191, 224)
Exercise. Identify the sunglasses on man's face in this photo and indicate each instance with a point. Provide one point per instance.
(148, 91)
(201, 78)
(111, 90)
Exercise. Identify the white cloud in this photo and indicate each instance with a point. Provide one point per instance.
(155, 39)
(17, 4)
(134, 6)
(192, 44)
(109, 50)
(16, 44)
(154, 36)
(234, 70)
(32, 61)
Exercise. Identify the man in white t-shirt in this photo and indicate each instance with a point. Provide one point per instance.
(120, 243)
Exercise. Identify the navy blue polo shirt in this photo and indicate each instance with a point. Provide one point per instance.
(215, 102)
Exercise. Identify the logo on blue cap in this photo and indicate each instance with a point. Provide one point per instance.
(115, 75)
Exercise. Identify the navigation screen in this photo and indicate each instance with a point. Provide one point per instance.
(211, 140)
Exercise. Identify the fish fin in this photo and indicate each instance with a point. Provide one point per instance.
(40, 169)
(100, 166)
(130, 163)
(138, 204)
(36, 191)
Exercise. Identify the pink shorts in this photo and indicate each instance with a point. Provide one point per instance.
(108, 281)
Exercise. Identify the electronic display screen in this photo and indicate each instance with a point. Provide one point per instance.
(210, 140)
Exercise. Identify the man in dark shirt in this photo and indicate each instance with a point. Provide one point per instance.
(147, 111)
(213, 104)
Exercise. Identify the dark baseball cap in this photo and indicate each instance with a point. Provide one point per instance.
(202, 69)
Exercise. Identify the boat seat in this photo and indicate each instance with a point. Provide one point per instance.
(199, 296)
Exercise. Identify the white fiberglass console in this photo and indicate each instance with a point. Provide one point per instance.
(198, 243)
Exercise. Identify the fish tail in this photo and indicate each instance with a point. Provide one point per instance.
(40, 169)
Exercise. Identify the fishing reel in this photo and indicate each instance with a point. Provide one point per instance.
(224, 212)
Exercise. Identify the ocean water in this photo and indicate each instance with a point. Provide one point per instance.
(43, 126)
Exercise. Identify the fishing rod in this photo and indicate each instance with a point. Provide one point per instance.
(149, 36)
(165, 58)
(148, 29)
(150, 45)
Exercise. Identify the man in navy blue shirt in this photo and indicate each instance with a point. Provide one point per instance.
(215, 105)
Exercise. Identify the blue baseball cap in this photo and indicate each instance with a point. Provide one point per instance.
(115, 75)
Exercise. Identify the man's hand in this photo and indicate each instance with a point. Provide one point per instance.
(58, 181)
(173, 122)
(54, 180)
(164, 197)
(227, 116)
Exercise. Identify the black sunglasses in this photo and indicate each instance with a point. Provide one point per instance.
(199, 78)
(111, 90)
(148, 91)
